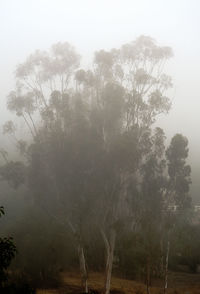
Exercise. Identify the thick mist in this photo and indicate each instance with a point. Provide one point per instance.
(93, 25)
(99, 147)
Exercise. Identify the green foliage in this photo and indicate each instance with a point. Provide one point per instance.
(21, 288)
(7, 253)
(1, 211)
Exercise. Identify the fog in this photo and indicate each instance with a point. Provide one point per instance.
(93, 25)
(90, 26)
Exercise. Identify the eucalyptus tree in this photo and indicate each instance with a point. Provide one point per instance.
(129, 87)
(90, 132)
(43, 95)
(153, 184)
(177, 192)
(179, 171)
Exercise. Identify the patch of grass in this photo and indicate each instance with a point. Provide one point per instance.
(182, 284)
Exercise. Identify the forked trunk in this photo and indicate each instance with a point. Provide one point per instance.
(83, 269)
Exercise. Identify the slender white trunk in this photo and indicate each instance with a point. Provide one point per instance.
(83, 269)
(162, 258)
(110, 247)
(166, 266)
(27, 123)
(148, 275)
(4, 155)
(32, 123)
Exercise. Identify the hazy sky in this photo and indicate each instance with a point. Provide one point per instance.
(89, 25)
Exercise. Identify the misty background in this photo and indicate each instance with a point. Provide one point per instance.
(93, 25)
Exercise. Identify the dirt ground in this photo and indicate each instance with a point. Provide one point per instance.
(179, 283)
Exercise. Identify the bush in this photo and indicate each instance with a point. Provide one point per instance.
(18, 289)
(7, 253)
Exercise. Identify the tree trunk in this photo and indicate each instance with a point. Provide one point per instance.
(83, 269)
(110, 247)
(35, 129)
(166, 266)
(148, 275)
(162, 258)
(29, 127)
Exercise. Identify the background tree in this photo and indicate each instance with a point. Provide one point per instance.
(129, 89)
(179, 172)
(153, 185)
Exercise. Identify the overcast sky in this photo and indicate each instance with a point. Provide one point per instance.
(89, 25)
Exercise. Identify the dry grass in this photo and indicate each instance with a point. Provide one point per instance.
(182, 284)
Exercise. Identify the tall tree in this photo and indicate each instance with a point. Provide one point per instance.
(153, 185)
(177, 188)
(92, 135)
(136, 69)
